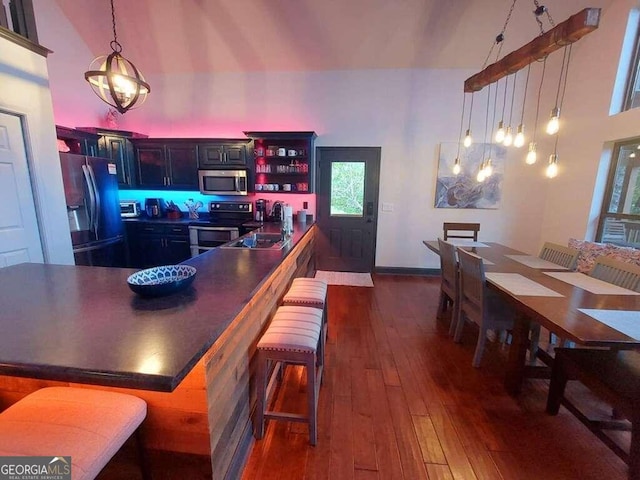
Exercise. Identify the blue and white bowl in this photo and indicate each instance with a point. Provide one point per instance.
(160, 281)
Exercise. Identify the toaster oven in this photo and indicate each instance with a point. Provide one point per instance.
(129, 208)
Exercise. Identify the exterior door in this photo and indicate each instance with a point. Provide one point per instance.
(347, 196)
(19, 232)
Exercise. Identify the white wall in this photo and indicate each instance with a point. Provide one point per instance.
(25, 91)
(407, 113)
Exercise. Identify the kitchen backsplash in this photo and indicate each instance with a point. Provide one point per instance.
(178, 197)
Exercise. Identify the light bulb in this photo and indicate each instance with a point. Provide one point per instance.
(456, 166)
(532, 155)
(633, 155)
(467, 139)
(554, 122)
(499, 138)
(488, 168)
(481, 175)
(552, 168)
(519, 140)
(508, 138)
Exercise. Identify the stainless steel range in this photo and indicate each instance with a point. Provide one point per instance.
(225, 224)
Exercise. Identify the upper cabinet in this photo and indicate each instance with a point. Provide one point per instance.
(166, 163)
(284, 161)
(224, 153)
(116, 145)
(75, 141)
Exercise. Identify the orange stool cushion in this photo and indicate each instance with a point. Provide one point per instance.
(89, 425)
(293, 328)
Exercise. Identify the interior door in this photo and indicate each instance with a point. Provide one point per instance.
(347, 196)
(19, 232)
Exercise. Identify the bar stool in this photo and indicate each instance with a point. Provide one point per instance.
(88, 425)
(309, 292)
(293, 337)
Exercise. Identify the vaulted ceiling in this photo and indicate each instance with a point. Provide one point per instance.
(186, 36)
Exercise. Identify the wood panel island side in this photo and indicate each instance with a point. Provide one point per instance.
(190, 356)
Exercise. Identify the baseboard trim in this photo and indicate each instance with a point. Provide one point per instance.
(430, 272)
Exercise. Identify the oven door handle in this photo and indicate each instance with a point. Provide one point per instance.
(214, 229)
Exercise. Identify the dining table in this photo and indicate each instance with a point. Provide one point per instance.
(572, 305)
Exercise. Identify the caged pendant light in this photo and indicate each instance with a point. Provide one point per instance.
(115, 79)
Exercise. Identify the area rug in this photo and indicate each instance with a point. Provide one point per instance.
(346, 278)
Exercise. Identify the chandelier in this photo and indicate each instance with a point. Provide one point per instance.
(115, 79)
(560, 36)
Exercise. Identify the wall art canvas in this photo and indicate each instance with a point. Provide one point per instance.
(464, 190)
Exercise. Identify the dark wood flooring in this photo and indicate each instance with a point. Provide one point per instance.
(400, 400)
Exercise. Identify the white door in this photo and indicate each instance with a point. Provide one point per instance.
(19, 233)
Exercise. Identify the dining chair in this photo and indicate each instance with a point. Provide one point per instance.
(622, 274)
(560, 255)
(449, 286)
(479, 304)
(461, 230)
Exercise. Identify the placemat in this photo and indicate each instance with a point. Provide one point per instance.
(519, 285)
(463, 242)
(536, 262)
(590, 284)
(625, 321)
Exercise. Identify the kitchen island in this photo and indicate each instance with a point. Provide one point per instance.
(189, 355)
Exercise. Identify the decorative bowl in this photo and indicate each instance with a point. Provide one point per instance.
(160, 281)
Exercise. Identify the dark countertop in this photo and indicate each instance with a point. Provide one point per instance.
(84, 324)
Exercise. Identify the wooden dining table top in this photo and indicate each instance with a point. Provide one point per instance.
(560, 315)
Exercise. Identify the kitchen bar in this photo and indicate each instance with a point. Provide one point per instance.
(188, 355)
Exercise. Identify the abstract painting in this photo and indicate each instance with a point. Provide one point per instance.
(464, 190)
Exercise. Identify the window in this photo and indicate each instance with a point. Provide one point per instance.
(347, 189)
(620, 217)
(632, 94)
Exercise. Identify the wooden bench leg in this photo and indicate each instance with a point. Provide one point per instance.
(634, 451)
(312, 399)
(145, 466)
(556, 386)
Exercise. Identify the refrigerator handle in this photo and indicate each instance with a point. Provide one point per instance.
(92, 197)
(96, 193)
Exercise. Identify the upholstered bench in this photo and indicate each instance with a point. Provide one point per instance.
(612, 375)
(308, 292)
(88, 425)
(293, 337)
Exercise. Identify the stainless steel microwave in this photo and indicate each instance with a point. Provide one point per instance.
(223, 182)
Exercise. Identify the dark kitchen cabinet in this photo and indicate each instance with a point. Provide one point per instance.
(284, 161)
(116, 145)
(223, 154)
(153, 243)
(161, 165)
(76, 141)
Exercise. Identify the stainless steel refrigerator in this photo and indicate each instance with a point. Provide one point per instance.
(93, 209)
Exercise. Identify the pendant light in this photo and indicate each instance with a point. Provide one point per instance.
(554, 121)
(115, 79)
(532, 154)
(500, 133)
(519, 140)
(508, 136)
(456, 163)
(468, 139)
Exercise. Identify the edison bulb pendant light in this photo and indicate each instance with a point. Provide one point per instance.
(552, 168)
(508, 137)
(532, 154)
(554, 122)
(519, 140)
(499, 138)
(467, 139)
(456, 166)
(488, 168)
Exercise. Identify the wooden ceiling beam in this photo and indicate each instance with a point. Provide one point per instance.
(569, 31)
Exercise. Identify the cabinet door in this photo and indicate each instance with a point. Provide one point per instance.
(116, 149)
(210, 156)
(235, 154)
(182, 166)
(177, 250)
(152, 166)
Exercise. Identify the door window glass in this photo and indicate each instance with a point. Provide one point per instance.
(347, 189)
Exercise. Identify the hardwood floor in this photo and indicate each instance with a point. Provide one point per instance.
(400, 400)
